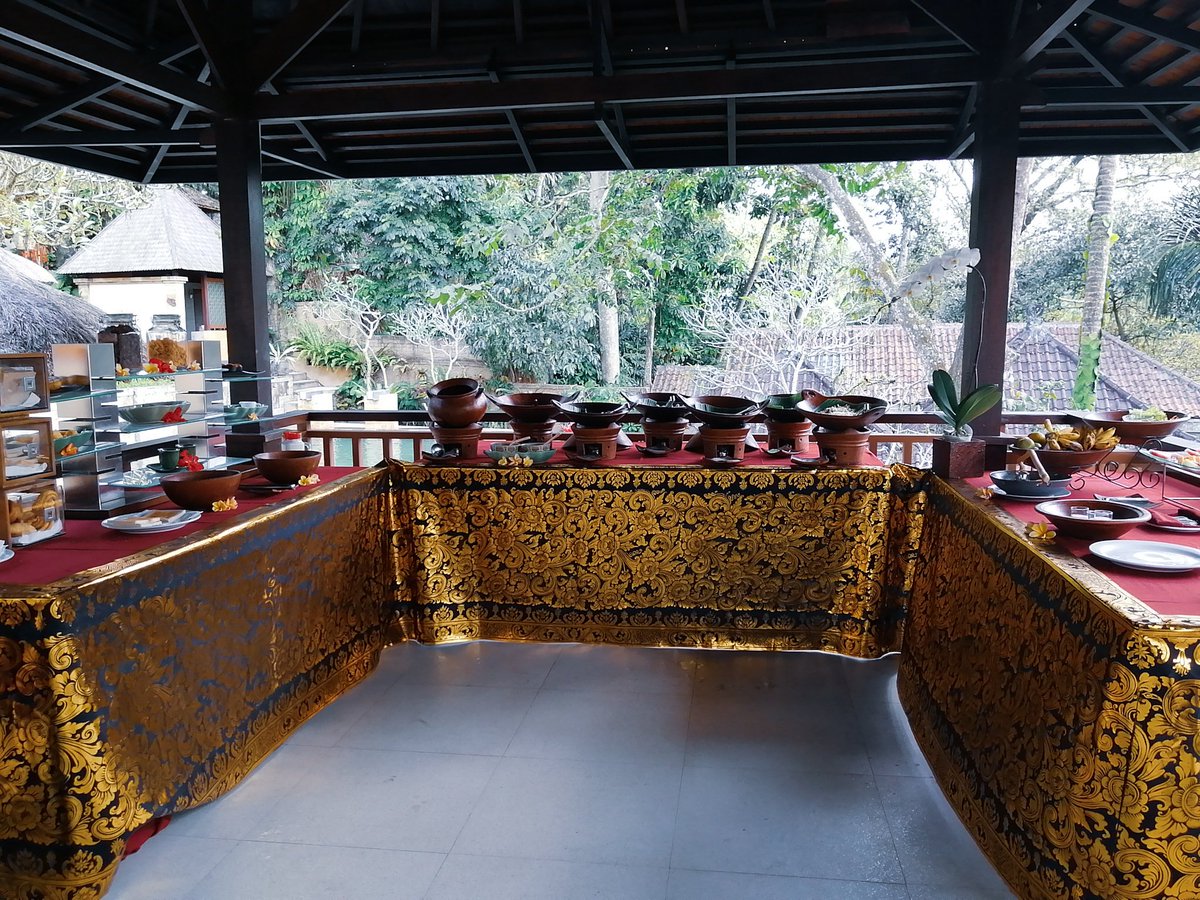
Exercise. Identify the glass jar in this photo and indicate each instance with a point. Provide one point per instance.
(166, 326)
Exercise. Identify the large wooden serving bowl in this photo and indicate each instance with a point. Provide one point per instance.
(200, 490)
(719, 411)
(286, 466)
(1124, 518)
(1136, 432)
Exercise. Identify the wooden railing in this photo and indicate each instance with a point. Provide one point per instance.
(372, 435)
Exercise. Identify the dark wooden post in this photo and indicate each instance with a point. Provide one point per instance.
(985, 322)
(243, 247)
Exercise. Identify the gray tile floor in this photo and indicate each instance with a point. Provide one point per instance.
(521, 772)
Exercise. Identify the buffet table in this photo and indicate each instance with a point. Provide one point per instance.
(154, 679)
(1057, 708)
(659, 554)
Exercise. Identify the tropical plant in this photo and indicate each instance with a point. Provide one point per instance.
(956, 413)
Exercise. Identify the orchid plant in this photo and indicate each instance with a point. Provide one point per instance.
(936, 269)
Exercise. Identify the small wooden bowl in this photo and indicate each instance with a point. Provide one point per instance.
(1064, 462)
(286, 466)
(200, 490)
(1124, 518)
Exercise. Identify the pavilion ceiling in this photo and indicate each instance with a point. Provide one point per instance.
(364, 88)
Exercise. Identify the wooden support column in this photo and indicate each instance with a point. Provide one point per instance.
(243, 248)
(985, 322)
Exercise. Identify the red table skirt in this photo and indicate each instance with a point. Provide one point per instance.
(1166, 594)
(86, 544)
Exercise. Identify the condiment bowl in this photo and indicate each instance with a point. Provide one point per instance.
(1124, 517)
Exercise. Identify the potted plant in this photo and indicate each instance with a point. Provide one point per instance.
(956, 454)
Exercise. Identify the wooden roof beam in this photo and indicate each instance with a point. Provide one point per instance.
(1035, 35)
(619, 147)
(289, 38)
(1154, 95)
(954, 19)
(515, 126)
(160, 137)
(160, 152)
(199, 21)
(56, 38)
(554, 92)
(964, 128)
(1151, 25)
(316, 166)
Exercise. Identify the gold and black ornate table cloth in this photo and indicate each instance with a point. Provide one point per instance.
(1058, 712)
(151, 685)
(761, 558)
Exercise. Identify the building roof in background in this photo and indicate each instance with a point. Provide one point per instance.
(172, 234)
(28, 267)
(881, 360)
(33, 315)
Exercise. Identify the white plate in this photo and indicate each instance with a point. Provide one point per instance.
(1141, 502)
(1148, 556)
(123, 523)
(6, 555)
(1057, 494)
(1181, 529)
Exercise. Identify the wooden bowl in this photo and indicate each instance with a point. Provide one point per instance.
(785, 408)
(1064, 462)
(1124, 518)
(286, 466)
(200, 490)
(1136, 432)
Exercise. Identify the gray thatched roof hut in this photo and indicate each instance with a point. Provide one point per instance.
(34, 315)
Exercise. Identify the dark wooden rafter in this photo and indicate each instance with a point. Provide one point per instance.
(159, 153)
(1119, 95)
(158, 137)
(681, 15)
(619, 147)
(769, 14)
(1044, 26)
(663, 87)
(435, 23)
(511, 118)
(1155, 95)
(731, 119)
(955, 19)
(201, 24)
(318, 167)
(50, 35)
(356, 24)
(518, 22)
(67, 100)
(1148, 24)
(964, 130)
(290, 36)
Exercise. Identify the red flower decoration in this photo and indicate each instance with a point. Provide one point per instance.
(189, 461)
(175, 415)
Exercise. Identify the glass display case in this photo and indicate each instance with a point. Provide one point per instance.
(23, 387)
(28, 450)
(34, 512)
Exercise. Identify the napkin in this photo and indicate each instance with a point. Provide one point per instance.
(1170, 516)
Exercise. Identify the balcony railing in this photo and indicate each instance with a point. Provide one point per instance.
(357, 437)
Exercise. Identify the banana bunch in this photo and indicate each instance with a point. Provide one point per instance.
(1072, 437)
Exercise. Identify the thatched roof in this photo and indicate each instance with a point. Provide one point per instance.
(34, 315)
(172, 234)
(29, 268)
